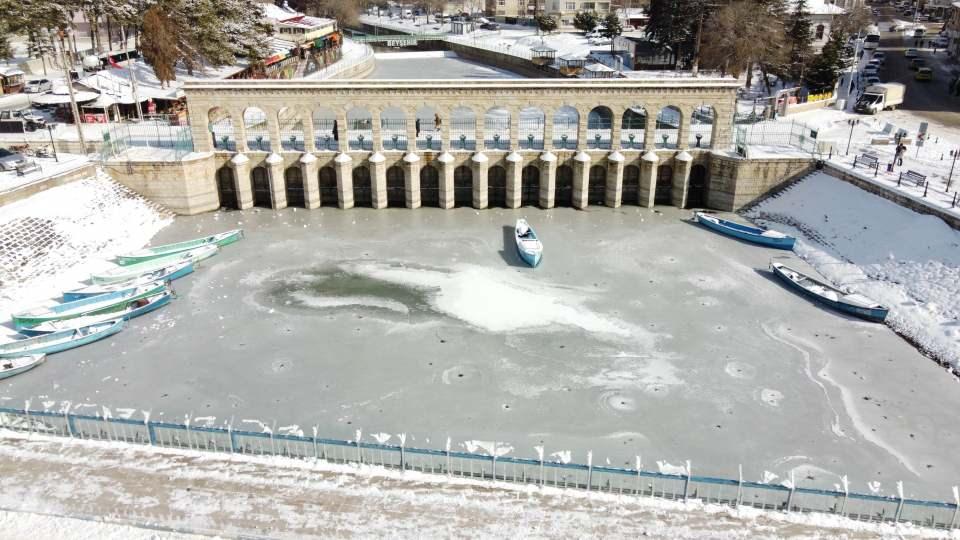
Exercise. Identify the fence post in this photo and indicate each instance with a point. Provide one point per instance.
(66, 419)
(26, 411)
(403, 464)
(900, 502)
(956, 507)
(448, 456)
(151, 434)
(589, 469)
(793, 487)
(846, 493)
(739, 484)
(316, 452)
(359, 433)
(686, 483)
(233, 441)
(639, 468)
(189, 438)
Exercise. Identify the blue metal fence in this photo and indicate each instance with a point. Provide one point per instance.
(639, 482)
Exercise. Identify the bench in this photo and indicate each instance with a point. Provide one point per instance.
(868, 160)
(918, 179)
(27, 168)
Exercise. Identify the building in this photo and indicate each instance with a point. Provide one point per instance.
(952, 30)
(300, 45)
(563, 10)
(11, 80)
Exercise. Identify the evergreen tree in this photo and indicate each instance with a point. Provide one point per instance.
(545, 23)
(673, 25)
(159, 44)
(799, 40)
(612, 28)
(585, 20)
(825, 69)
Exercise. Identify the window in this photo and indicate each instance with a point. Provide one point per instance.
(501, 3)
(571, 6)
(588, 6)
(819, 34)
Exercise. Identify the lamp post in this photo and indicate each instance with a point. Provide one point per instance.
(852, 123)
(54, 146)
(64, 34)
(955, 154)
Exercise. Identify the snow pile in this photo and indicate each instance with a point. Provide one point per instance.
(907, 261)
(56, 238)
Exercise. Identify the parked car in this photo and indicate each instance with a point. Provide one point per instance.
(21, 120)
(870, 70)
(490, 26)
(917, 63)
(898, 27)
(911, 53)
(942, 42)
(924, 74)
(881, 56)
(37, 86)
(9, 161)
(871, 80)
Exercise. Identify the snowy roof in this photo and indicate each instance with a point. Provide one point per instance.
(598, 68)
(8, 71)
(305, 21)
(820, 7)
(116, 84)
(291, 17)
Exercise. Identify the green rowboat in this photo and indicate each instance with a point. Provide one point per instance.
(148, 254)
(94, 305)
(124, 273)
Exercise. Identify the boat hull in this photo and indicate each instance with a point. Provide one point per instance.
(27, 365)
(94, 290)
(126, 273)
(153, 304)
(7, 350)
(150, 254)
(532, 259)
(865, 313)
(744, 233)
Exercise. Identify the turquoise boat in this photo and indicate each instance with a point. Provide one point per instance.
(18, 364)
(95, 305)
(133, 271)
(763, 237)
(133, 309)
(60, 341)
(168, 273)
(149, 254)
(529, 246)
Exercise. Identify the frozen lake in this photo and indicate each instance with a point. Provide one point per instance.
(640, 334)
(434, 65)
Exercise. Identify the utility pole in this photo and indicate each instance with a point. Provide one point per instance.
(956, 154)
(65, 33)
(695, 68)
(133, 74)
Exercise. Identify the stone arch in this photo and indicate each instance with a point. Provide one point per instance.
(362, 189)
(462, 186)
(293, 182)
(566, 123)
(497, 186)
(633, 128)
(260, 185)
(630, 193)
(227, 188)
(257, 129)
(563, 186)
(393, 128)
(429, 186)
(328, 186)
(599, 127)
(359, 129)
(701, 126)
(291, 129)
(463, 128)
(325, 131)
(664, 190)
(699, 186)
(220, 124)
(496, 129)
(396, 189)
(530, 186)
(532, 123)
(668, 127)
(428, 126)
(597, 186)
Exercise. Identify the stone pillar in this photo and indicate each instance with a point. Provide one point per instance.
(583, 118)
(240, 132)
(648, 178)
(240, 164)
(309, 132)
(548, 179)
(445, 129)
(344, 166)
(411, 126)
(411, 179)
(683, 134)
(480, 193)
(514, 172)
(447, 165)
(273, 127)
(376, 132)
(614, 179)
(650, 131)
(311, 180)
(342, 143)
(681, 179)
(200, 131)
(278, 192)
(378, 180)
(548, 130)
(581, 178)
(616, 125)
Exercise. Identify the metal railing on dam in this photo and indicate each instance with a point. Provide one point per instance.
(684, 486)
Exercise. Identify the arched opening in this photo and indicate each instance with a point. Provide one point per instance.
(291, 130)
(428, 126)
(701, 127)
(462, 186)
(429, 186)
(565, 124)
(463, 129)
(530, 186)
(819, 33)
(258, 132)
(497, 186)
(328, 186)
(697, 191)
(664, 191)
(325, 130)
(597, 186)
(634, 128)
(496, 129)
(396, 191)
(393, 129)
(630, 194)
(260, 182)
(563, 187)
(221, 129)
(227, 188)
(293, 178)
(599, 123)
(359, 129)
(362, 190)
(668, 127)
(532, 121)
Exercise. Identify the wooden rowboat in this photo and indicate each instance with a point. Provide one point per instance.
(133, 271)
(18, 364)
(95, 305)
(168, 273)
(133, 309)
(528, 245)
(764, 237)
(828, 295)
(149, 254)
(60, 341)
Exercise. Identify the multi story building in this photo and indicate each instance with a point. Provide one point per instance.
(952, 30)
(562, 10)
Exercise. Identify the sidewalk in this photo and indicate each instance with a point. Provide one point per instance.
(186, 491)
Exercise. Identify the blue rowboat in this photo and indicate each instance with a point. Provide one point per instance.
(133, 271)
(63, 340)
(18, 364)
(828, 295)
(94, 305)
(134, 309)
(149, 254)
(529, 246)
(168, 273)
(756, 235)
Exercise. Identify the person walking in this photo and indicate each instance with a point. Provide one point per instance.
(901, 150)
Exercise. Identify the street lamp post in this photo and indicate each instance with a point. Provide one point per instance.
(955, 154)
(53, 145)
(853, 124)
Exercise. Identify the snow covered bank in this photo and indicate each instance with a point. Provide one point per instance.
(902, 259)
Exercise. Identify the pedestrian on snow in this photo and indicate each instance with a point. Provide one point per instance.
(901, 150)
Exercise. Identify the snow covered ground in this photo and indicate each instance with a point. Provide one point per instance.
(907, 261)
(10, 180)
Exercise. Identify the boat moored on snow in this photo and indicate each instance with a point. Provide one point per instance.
(850, 303)
(133, 271)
